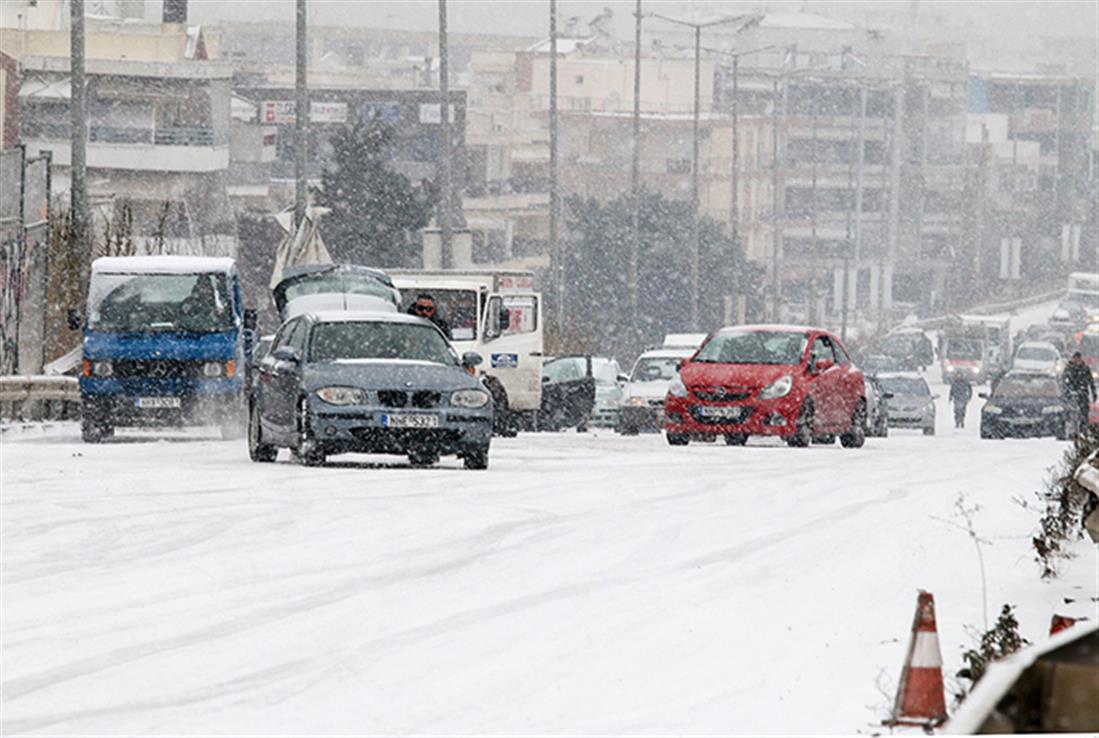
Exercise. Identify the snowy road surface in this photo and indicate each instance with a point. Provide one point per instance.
(584, 584)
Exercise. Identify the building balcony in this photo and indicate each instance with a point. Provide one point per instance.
(137, 149)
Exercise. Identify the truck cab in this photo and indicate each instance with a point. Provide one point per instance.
(498, 315)
(164, 344)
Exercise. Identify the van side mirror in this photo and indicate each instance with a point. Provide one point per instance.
(251, 320)
(471, 359)
(73, 319)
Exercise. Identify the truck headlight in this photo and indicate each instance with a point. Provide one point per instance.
(102, 368)
(212, 369)
(471, 398)
(342, 395)
(975, 369)
(993, 410)
(778, 388)
(677, 388)
(1051, 409)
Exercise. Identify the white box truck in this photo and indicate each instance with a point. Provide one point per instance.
(498, 314)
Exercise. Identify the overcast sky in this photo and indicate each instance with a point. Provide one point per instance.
(529, 17)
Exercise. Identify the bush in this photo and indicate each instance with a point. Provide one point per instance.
(1064, 501)
(998, 642)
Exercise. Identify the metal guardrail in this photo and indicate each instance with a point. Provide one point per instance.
(39, 398)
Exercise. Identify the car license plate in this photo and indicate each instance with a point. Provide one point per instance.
(154, 403)
(1022, 421)
(724, 413)
(410, 421)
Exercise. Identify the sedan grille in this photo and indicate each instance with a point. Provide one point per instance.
(393, 398)
(723, 394)
(399, 398)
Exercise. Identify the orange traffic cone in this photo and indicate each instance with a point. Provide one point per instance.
(920, 698)
(1059, 623)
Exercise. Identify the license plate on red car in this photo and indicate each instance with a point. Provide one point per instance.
(721, 413)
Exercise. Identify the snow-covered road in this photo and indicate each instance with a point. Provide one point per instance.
(584, 584)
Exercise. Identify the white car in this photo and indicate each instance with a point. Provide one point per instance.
(642, 406)
(1037, 356)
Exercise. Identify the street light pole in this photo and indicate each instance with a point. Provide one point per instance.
(557, 253)
(301, 116)
(78, 139)
(695, 215)
(444, 132)
(635, 188)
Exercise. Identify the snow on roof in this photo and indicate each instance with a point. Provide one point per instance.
(162, 264)
(564, 45)
(805, 21)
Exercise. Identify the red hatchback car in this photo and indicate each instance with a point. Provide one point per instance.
(790, 381)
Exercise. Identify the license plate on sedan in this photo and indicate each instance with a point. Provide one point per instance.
(156, 403)
(410, 421)
(722, 413)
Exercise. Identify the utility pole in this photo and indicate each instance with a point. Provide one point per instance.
(776, 238)
(845, 279)
(301, 118)
(860, 163)
(695, 215)
(79, 139)
(556, 251)
(444, 134)
(734, 205)
(635, 188)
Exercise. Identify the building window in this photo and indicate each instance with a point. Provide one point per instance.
(678, 166)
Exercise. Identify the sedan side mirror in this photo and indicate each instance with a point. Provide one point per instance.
(887, 395)
(982, 395)
(286, 354)
(623, 378)
(471, 359)
(822, 365)
(72, 317)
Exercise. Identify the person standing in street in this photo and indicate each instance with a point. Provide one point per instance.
(961, 391)
(1079, 388)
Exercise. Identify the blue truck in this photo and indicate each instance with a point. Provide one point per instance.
(165, 340)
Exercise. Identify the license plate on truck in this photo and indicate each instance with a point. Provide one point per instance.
(410, 421)
(156, 403)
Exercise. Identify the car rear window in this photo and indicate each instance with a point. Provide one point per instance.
(754, 347)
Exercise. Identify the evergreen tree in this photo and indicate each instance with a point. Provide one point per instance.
(375, 210)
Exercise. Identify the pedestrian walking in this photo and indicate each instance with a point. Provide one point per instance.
(961, 392)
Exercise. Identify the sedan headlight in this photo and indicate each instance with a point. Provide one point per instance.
(212, 369)
(677, 388)
(637, 401)
(993, 410)
(342, 395)
(975, 369)
(472, 398)
(102, 368)
(1051, 409)
(778, 388)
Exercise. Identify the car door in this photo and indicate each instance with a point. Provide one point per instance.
(849, 384)
(568, 392)
(512, 333)
(822, 379)
(283, 379)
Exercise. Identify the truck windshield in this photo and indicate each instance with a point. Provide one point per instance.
(159, 302)
(456, 307)
(956, 349)
(754, 347)
(369, 340)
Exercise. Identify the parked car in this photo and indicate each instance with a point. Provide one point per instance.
(338, 382)
(910, 348)
(879, 364)
(1037, 356)
(877, 407)
(610, 385)
(911, 404)
(797, 383)
(642, 408)
(568, 392)
(1025, 404)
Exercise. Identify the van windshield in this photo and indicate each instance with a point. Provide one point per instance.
(457, 307)
(961, 349)
(159, 302)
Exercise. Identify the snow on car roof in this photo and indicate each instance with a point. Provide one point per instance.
(162, 264)
(667, 353)
(777, 327)
(362, 316)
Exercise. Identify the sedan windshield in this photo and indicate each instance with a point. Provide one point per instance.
(911, 386)
(754, 347)
(656, 369)
(159, 302)
(1027, 387)
(379, 340)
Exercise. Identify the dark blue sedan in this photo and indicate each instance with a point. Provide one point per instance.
(391, 383)
(1025, 404)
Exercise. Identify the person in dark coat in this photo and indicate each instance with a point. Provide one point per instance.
(424, 307)
(961, 391)
(1078, 386)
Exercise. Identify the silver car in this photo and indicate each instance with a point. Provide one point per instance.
(389, 383)
(911, 405)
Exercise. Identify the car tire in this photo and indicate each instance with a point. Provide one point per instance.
(803, 428)
(93, 426)
(735, 439)
(309, 453)
(1065, 430)
(628, 430)
(258, 451)
(986, 433)
(678, 439)
(476, 460)
(855, 436)
(929, 431)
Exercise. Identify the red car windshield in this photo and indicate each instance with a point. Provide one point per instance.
(754, 347)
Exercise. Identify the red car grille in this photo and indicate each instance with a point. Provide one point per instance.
(723, 394)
